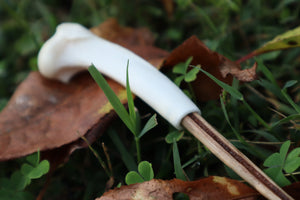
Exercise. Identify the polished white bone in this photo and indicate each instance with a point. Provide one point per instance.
(74, 48)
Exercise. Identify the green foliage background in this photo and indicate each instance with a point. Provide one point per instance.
(233, 28)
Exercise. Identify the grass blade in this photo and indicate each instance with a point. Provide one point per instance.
(112, 97)
(151, 123)
(266, 72)
(238, 136)
(235, 93)
(177, 164)
(266, 135)
(125, 155)
(131, 109)
(289, 99)
(286, 120)
(232, 91)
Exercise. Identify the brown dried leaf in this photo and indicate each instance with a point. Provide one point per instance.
(222, 68)
(246, 75)
(139, 40)
(205, 189)
(45, 114)
(125, 36)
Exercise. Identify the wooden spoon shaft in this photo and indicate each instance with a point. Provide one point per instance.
(232, 157)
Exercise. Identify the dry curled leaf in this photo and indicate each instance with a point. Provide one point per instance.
(209, 188)
(246, 75)
(222, 68)
(45, 114)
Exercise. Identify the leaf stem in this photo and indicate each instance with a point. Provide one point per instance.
(138, 149)
(102, 163)
(192, 91)
(246, 57)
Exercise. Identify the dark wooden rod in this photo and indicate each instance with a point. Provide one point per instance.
(233, 158)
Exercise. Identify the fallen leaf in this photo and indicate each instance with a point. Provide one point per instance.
(139, 40)
(208, 188)
(246, 75)
(46, 114)
(222, 68)
(289, 39)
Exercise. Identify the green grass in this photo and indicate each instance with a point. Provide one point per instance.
(131, 119)
(233, 28)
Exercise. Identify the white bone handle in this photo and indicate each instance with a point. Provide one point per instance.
(74, 48)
